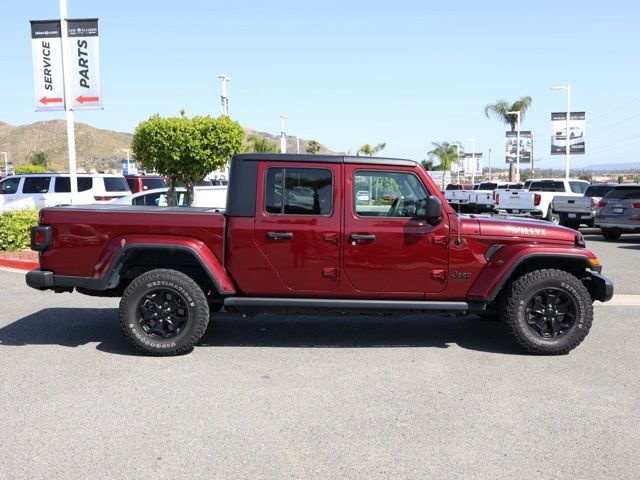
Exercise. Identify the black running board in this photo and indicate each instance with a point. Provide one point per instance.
(342, 305)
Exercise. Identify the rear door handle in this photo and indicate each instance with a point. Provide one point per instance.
(279, 235)
(361, 238)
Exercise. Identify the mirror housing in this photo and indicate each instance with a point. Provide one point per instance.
(433, 211)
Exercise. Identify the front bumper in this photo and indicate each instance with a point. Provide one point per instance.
(600, 287)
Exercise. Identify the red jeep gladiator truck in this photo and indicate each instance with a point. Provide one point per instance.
(297, 237)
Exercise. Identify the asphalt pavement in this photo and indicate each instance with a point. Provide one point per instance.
(271, 397)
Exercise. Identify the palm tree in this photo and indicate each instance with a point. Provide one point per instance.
(369, 150)
(313, 147)
(500, 109)
(446, 153)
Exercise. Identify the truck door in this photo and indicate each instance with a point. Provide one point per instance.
(297, 227)
(388, 246)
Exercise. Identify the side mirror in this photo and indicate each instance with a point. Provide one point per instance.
(434, 211)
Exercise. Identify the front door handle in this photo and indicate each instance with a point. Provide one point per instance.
(279, 236)
(361, 238)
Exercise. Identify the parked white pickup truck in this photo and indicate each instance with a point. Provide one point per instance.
(484, 199)
(458, 194)
(574, 211)
(536, 202)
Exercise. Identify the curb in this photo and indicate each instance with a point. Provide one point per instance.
(17, 264)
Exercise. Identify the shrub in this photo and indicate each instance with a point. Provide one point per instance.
(23, 169)
(15, 229)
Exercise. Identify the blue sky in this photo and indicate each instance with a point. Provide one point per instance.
(407, 73)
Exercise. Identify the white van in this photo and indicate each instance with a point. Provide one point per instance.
(50, 189)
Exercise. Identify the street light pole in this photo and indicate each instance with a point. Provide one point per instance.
(224, 100)
(568, 134)
(517, 113)
(489, 164)
(458, 163)
(473, 158)
(283, 135)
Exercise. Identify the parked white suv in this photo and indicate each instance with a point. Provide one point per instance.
(50, 189)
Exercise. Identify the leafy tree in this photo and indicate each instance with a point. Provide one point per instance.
(586, 177)
(620, 179)
(636, 179)
(428, 165)
(500, 109)
(39, 158)
(367, 149)
(260, 144)
(186, 149)
(25, 169)
(447, 155)
(313, 147)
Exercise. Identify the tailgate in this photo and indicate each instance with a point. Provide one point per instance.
(572, 204)
(518, 199)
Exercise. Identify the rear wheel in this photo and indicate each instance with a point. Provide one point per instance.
(611, 233)
(549, 312)
(164, 312)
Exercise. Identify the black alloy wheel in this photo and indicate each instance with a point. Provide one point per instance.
(163, 313)
(551, 313)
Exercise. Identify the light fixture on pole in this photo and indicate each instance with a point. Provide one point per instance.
(517, 113)
(568, 132)
(283, 136)
(224, 100)
(473, 158)
(6, 164)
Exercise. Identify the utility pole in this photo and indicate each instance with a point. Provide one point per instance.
(283, 135)
(224, 100)
(489, 164)
(6, 164)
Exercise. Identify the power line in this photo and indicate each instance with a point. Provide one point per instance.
(607, 127)
(616, 109)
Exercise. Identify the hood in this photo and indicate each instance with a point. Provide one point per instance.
(539, 231)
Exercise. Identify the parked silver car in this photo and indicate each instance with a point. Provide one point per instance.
(619, 211)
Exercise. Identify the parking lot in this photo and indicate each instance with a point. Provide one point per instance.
(318, 397)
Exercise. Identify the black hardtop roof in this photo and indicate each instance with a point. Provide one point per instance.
(306, 157)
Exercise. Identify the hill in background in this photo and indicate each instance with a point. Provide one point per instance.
(96, 149)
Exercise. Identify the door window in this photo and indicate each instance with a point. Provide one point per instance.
(388, 194)
(63, 184)
(9, 186)
(298, 191)
(36, 185)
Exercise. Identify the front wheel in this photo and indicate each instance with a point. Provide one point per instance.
(164, 312)
(549, 312)
(611, 234)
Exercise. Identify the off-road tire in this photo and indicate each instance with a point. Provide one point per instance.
(611, 234)
(522, 294)
(151, 288)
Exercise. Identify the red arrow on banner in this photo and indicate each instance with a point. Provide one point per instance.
(82, 99)
(47, 100)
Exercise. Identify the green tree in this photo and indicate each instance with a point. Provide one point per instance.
(186, 149)
(25, 169)
(313, 147)
(39, 158)
(367, 149)
(500, 109)
(620, 179)
(636, 179)
(446, 153)
(428, 165)
(260, 145)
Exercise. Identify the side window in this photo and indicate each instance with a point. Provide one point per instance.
(9, 186)
(388, 194)
(298, 191)
(578, 187)
(36, 185)
(63, 184)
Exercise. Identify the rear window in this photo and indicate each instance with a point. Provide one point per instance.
(546, 187)
(488, 186)
(36, 185)
(63, 184)
(597, 190)
(115, 184)
(624, 193)
(451, 186)
(151, 183)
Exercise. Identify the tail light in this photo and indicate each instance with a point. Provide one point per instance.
(40, 238)
(493, 195)
(636, 205)
(103, 199)
(536, 199)
(602, 204)
(594, 203)
(497, 198)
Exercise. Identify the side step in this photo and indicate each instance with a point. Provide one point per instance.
(341, 305)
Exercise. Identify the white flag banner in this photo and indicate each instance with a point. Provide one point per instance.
(84, 65)
(48, 74)
(576, 133)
